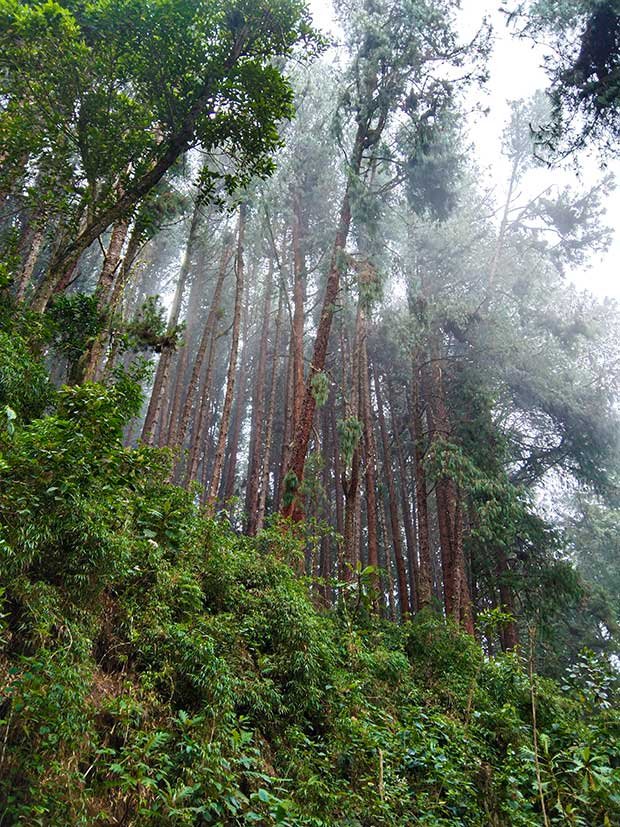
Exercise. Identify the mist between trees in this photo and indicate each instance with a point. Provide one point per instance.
(283, 279)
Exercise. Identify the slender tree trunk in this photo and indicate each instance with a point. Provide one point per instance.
(408, 524)
(129, 260)
(337, 470)
(116, 297)
(232, 366)
(350, 487)
(401, 573)
(502, 230)
(25, 276)
(195, 306)
(410, 533)
(208, 448)
(141, 285)
(202, 414)
(287, 422)
(387, 553)
(264, 486)
(178, 381)
(325, 565)
(297, 334)
(178, 437)
(160, 386)
(258, 411)
(509, 632)
(449, 516)
(351, 481)
(370, 450)
(228, 483)
(425, 577)
(105, 288)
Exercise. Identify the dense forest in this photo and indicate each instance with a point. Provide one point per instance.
(309, 468)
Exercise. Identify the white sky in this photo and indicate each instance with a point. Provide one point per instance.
(515, 72)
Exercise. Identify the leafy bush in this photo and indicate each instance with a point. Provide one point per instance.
(74, 321)
(24, 384)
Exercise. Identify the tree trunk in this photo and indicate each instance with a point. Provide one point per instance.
(401, 573)
(297, 334)
(27, 270)
(410, 533)
(232, 365)
(449, 516)
(203, 416)
(337, 470)
(370, 450)
(178, 381)
(258, 411)
(325, 564)
(195, 308)
(202, 413)
(178, 437)
(264, 486)
(387, 552)
(287, 422)
(105, 288)
(129, 260)
(228, 483)
(350, 487)
(425, 577)
(106, 366)
(160, 386)
(509, 635)
(351, 480)
(303, 427)
(502, 232)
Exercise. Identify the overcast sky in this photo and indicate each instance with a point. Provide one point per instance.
(515, 72)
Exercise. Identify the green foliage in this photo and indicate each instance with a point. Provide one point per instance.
(99, 93)
(432, 161)
(501, 508)
(350, 432)
(25, 388)
(149, 329)
(583, 72)
(592, 533)
(74, 322)
(291, 484)
(320, 387)
(594, 678)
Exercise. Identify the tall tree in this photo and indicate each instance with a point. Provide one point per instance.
(258, 409)
(398, 52)
(218, 462)
(84, 102)
(162, 374)
(583, 68)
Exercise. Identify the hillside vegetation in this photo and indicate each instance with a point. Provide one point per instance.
(159, 669)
